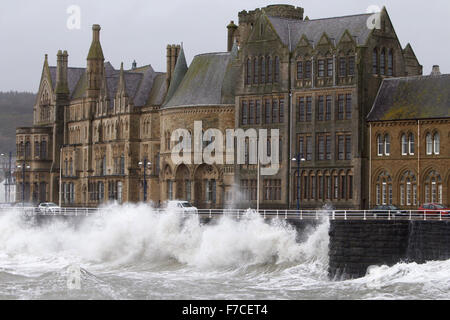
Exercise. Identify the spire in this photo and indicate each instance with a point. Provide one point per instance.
(178, 75)
(95, 51)
(121, 88)
(95, 63)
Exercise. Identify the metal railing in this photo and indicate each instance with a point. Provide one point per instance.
(242, 213)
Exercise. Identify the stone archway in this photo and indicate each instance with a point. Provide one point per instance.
(206, 186)
(183, 183)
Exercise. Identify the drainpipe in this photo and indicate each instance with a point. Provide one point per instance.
(418, 162)
(290, 123)
(370, 165)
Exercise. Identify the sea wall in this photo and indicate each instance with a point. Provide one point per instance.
(356, 245)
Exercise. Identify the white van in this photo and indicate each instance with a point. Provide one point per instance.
(181, 206)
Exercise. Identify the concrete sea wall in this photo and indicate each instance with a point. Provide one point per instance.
(356, 245)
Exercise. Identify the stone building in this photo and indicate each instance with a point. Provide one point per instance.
(108, 132)
(410, 142)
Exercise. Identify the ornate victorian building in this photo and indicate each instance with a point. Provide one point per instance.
(107, 132)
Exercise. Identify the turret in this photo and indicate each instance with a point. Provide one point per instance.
(95, 63)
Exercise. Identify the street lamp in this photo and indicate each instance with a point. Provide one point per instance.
(298, 159)
(145, 164)
(23, 167)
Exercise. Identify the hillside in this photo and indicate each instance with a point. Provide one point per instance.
(16, 110)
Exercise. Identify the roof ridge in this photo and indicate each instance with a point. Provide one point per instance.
(418, 77)
(328, 18)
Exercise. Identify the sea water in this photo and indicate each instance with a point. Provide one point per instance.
(133, 252)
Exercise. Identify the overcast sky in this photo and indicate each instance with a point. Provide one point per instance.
(141, 30)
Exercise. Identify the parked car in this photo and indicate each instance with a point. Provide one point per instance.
(434, 208)
(181, 206)
(386, 210)
(48, 208)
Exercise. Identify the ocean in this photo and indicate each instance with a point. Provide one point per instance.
(133, 252)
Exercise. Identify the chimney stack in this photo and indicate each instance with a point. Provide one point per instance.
(61, 73)
(231, 35)
(436, 71)
(172, 56)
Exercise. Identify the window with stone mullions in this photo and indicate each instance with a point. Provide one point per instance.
(308, 109)
(320, 108)
(321, 68)
(308, 70)
(267, 111)
(301, 109)
(275, 110)
(329, 67)
(244, 112)
(300, 70)
(342, 67)
(251, 114)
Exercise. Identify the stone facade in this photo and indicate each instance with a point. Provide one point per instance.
(107, 132)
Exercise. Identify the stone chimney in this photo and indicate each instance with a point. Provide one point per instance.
(134, 65)
(231, 35)
(61, 73)
(436, 71)
(172, 56)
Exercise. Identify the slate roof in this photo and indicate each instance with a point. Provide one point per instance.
(408, 98)
(206, 82)
(290, 31)
(73, 77)
(138, 83)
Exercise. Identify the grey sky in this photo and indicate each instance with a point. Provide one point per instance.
(141, 30)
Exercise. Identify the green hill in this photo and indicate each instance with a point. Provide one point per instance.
(16, 110)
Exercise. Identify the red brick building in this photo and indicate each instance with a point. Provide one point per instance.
(409, 128)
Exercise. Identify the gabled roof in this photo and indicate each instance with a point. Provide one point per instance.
(291, 31)
(206, 82)
(138, 83)
(73, 77)
(410, 98)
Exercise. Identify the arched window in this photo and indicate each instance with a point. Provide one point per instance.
(262, 78)
(387, 145)
(383, 62)
(437, 143)
(384, 189)
(122, 164)
(404, 145)
(390, 63)
(276, 72)
(433, 188)
(408, 189)
(375, 61)
(44, 150)
(429, 142)
(379, 145)
(269, 69)
(248, 68)
(411, 144)
(255, 71)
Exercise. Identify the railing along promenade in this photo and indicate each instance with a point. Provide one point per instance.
(242, 213)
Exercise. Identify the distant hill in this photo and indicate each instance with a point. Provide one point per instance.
(16, 110)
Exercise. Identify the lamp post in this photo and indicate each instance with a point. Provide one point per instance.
(6, 174)
(145, 164)
(23, 167)
(298, 159)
